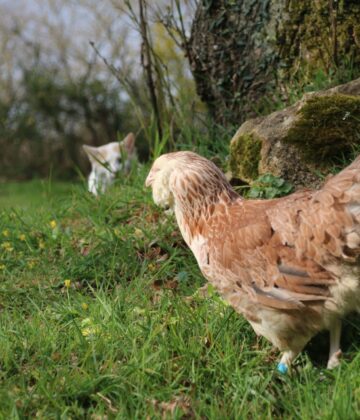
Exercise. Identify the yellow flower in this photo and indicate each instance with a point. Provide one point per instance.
(152, 267)
(138, 233)
(31, 264)
(5, 233)
(41, 244)
(85, 306)
(86, 331)
(7, 246)
(67, 283)
(53, 224)
(89, 329)
(22, 237)
(2, 267)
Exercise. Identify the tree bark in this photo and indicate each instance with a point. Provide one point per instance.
(146, 62)
(246, 53)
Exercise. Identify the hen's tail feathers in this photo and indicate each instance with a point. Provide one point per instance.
(339, 201)
(345, 185)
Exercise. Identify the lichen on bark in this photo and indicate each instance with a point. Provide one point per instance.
(245, 52)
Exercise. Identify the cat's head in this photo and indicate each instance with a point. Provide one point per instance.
(112, 157)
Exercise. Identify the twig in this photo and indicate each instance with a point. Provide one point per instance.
(147, 65)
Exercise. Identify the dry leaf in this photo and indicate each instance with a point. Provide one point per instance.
(167, 284)
(108, 402)
(169, 407)
(162, 258)
(85, 251)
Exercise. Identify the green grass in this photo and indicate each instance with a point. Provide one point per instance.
(130, 337)
(33, 194)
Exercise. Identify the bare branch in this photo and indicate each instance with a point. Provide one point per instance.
(146, 62)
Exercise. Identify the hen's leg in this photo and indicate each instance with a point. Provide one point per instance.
(335, 352)
(286, 360)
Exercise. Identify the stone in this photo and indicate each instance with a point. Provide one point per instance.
(302, 142)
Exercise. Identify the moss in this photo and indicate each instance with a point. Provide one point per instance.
(318, 35)
(245, 156)
(328, 128)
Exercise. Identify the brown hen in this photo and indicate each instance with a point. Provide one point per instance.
(289, 265)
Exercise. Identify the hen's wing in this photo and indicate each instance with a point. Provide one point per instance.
(325, 229)
(246, 254)
(275, 251)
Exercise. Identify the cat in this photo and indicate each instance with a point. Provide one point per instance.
(107, 160)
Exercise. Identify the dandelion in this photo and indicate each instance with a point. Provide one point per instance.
(85, 306)
(2, 266)
(86, 331)
(41, 244)
(89, 329)
(5, 233)
(53, 224)
(138, 233)
(22, 237)
(31, 264)
(152, 267)
(7, 246)
(67, 283)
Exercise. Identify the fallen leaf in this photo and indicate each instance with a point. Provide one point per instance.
(169, 407)
(108, 403)
(162, 258)
(167, 284)
(85, 251)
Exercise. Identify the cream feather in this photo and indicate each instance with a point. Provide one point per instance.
(289, 265)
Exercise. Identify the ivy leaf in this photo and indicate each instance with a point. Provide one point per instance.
(269, 186)
(254, 192)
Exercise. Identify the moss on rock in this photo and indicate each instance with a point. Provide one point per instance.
(328, 127)
(245, 156)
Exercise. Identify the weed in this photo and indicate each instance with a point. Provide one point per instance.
(269, 186)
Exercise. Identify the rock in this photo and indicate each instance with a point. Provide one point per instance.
(300, 143)
(245, 55)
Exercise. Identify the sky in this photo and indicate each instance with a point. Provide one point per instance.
(62, 31)
(65, 28)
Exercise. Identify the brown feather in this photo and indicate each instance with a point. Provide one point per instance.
(289, 264)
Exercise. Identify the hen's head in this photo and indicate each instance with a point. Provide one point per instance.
(158, 179)
(187, 179)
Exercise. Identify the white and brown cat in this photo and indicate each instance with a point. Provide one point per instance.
(107, 160)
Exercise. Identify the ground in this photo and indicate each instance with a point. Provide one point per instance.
(100, 318)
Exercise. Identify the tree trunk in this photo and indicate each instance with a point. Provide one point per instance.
(245, 52)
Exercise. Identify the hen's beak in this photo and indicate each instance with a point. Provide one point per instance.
(149, 180)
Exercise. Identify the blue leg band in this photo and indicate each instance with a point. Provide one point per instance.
(282, 368)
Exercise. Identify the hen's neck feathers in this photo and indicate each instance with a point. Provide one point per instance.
(197, 189)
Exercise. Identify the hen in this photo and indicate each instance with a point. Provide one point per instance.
(289, 265)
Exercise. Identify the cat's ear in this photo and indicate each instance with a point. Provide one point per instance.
(129, 143)
(92, 153)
